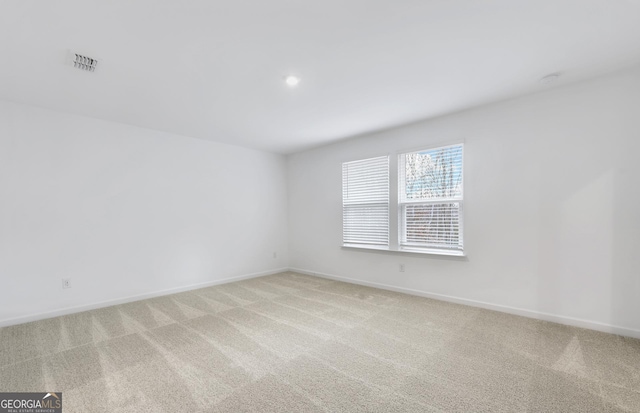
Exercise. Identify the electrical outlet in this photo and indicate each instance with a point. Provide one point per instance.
(401, 267)
(275, 255)
(66, 283)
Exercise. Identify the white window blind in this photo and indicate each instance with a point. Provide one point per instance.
(431, 199)
(365, 202)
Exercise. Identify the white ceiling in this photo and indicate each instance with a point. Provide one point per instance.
(214, 69)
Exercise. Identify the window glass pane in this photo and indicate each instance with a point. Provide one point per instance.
(433, 174)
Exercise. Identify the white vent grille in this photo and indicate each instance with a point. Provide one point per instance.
(84, 62)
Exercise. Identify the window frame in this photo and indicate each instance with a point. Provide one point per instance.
(364, 203)
(402, 245)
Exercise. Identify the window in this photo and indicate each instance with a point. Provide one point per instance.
(431, 200)
(428, 207)
(365, 203)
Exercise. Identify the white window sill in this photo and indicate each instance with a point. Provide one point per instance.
(406, 250)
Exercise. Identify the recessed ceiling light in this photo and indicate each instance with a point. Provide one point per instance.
(550, 78)
(292, 81)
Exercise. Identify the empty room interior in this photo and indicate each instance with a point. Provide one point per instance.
(320, 206)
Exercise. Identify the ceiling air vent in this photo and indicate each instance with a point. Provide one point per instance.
(84, 62)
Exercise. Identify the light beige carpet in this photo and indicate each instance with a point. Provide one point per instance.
(294, 343)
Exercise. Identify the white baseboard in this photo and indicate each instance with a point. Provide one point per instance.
(571, 321)
(108, 303)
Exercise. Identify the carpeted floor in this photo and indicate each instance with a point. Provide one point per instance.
(295, 343)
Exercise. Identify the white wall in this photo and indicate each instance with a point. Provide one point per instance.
(125, 211)
(552, 211)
